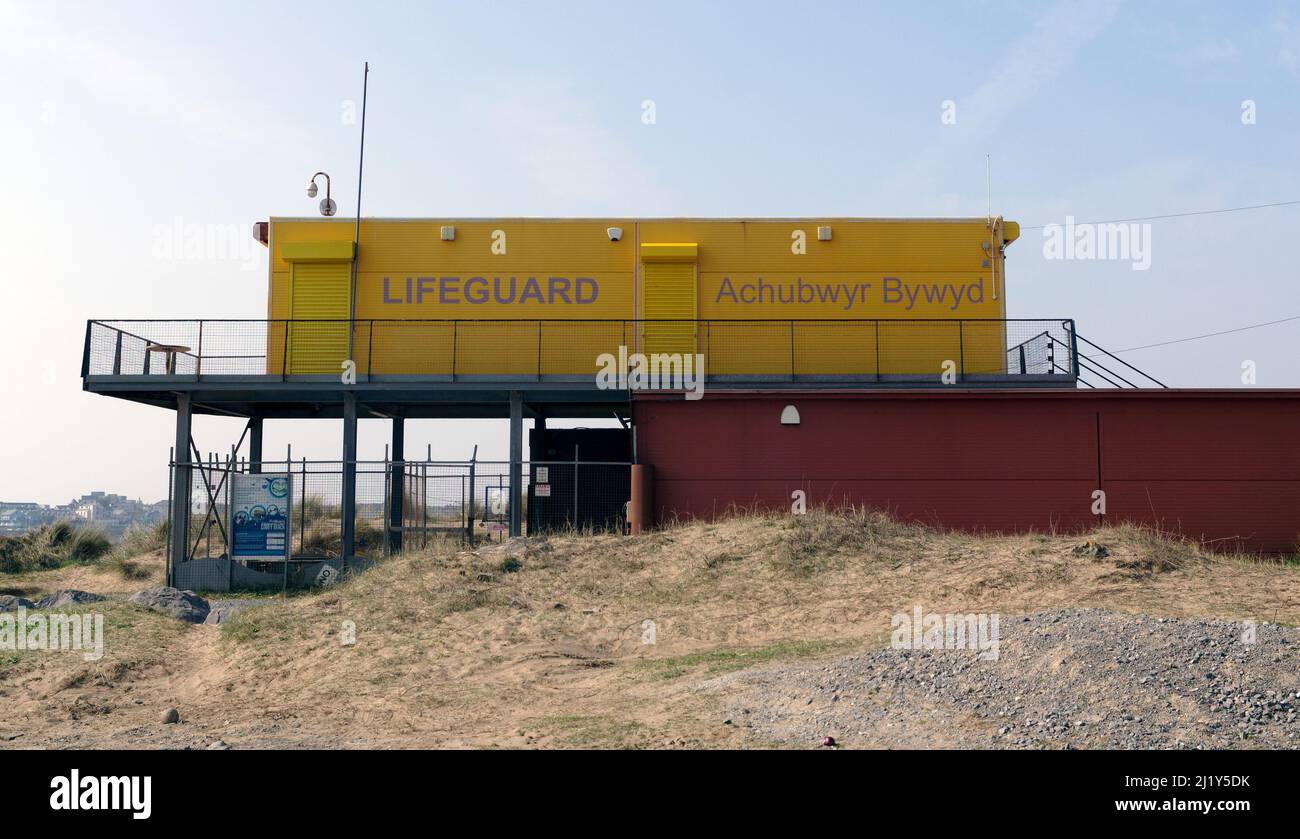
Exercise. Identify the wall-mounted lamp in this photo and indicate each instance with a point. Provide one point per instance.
(823, 234)
(448, 233)
(327, 205)
(789, 415)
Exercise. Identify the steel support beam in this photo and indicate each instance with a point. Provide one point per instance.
(255, 445)
(348, 512)
(516, 462)
(396, 481)
(181, 483)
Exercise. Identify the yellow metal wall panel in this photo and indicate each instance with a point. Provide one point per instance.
(316, 251)
(984, 347)
(498, 348)
(277, 311)
(415, 246)
(870, 269)
(883, 247)
(875, 245)
(485, 294)
(409, 348)
(304, 232)
(919, 347)
(832, 347)
(572, 348)
(278, 299)
(720, 243)
(746, 348)
(848, 295)
(532, 246)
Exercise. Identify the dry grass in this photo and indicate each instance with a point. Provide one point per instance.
(106, 577)
(137, 560)
(53, 546)
(131, 556)
(453, 651)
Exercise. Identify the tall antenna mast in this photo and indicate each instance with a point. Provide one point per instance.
(356, 236)
(993, 243)
(988, 183)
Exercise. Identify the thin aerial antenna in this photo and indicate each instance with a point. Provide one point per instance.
(993, 244)
(988, 183)
(356, 236)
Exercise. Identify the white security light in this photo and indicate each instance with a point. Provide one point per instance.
(327, 205)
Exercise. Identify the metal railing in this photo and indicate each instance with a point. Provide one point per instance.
(538, 349)
(1097, 368)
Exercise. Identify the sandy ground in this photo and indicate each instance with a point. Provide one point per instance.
(601, 641)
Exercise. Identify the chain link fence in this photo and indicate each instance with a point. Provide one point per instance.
(464, 501)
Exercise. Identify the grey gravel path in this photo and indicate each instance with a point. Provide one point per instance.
(1064, 679)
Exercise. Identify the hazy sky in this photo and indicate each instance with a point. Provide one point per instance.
(119, 119)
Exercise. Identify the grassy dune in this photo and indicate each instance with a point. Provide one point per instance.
(454, 648)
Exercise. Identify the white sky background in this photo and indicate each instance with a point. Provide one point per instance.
(116, 119)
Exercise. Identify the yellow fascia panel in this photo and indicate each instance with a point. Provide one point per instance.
(316, 251)
(669, 251)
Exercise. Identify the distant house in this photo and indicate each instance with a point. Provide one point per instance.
(19, 516)
(114, 513)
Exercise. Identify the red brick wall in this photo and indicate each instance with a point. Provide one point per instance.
(1218, 466)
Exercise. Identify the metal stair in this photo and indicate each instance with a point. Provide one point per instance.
(1098, 369)
(1092, 364)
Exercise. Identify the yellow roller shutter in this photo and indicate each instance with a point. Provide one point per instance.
(668, 298)
(318, 310)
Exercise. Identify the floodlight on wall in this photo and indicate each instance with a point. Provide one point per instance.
(789, 415)
(614, 233)
(823, 234)
(448, 233)
(327, 205)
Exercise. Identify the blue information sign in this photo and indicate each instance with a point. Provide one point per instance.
(259, 515)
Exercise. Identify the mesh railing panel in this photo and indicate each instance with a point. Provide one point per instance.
(573, 349)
